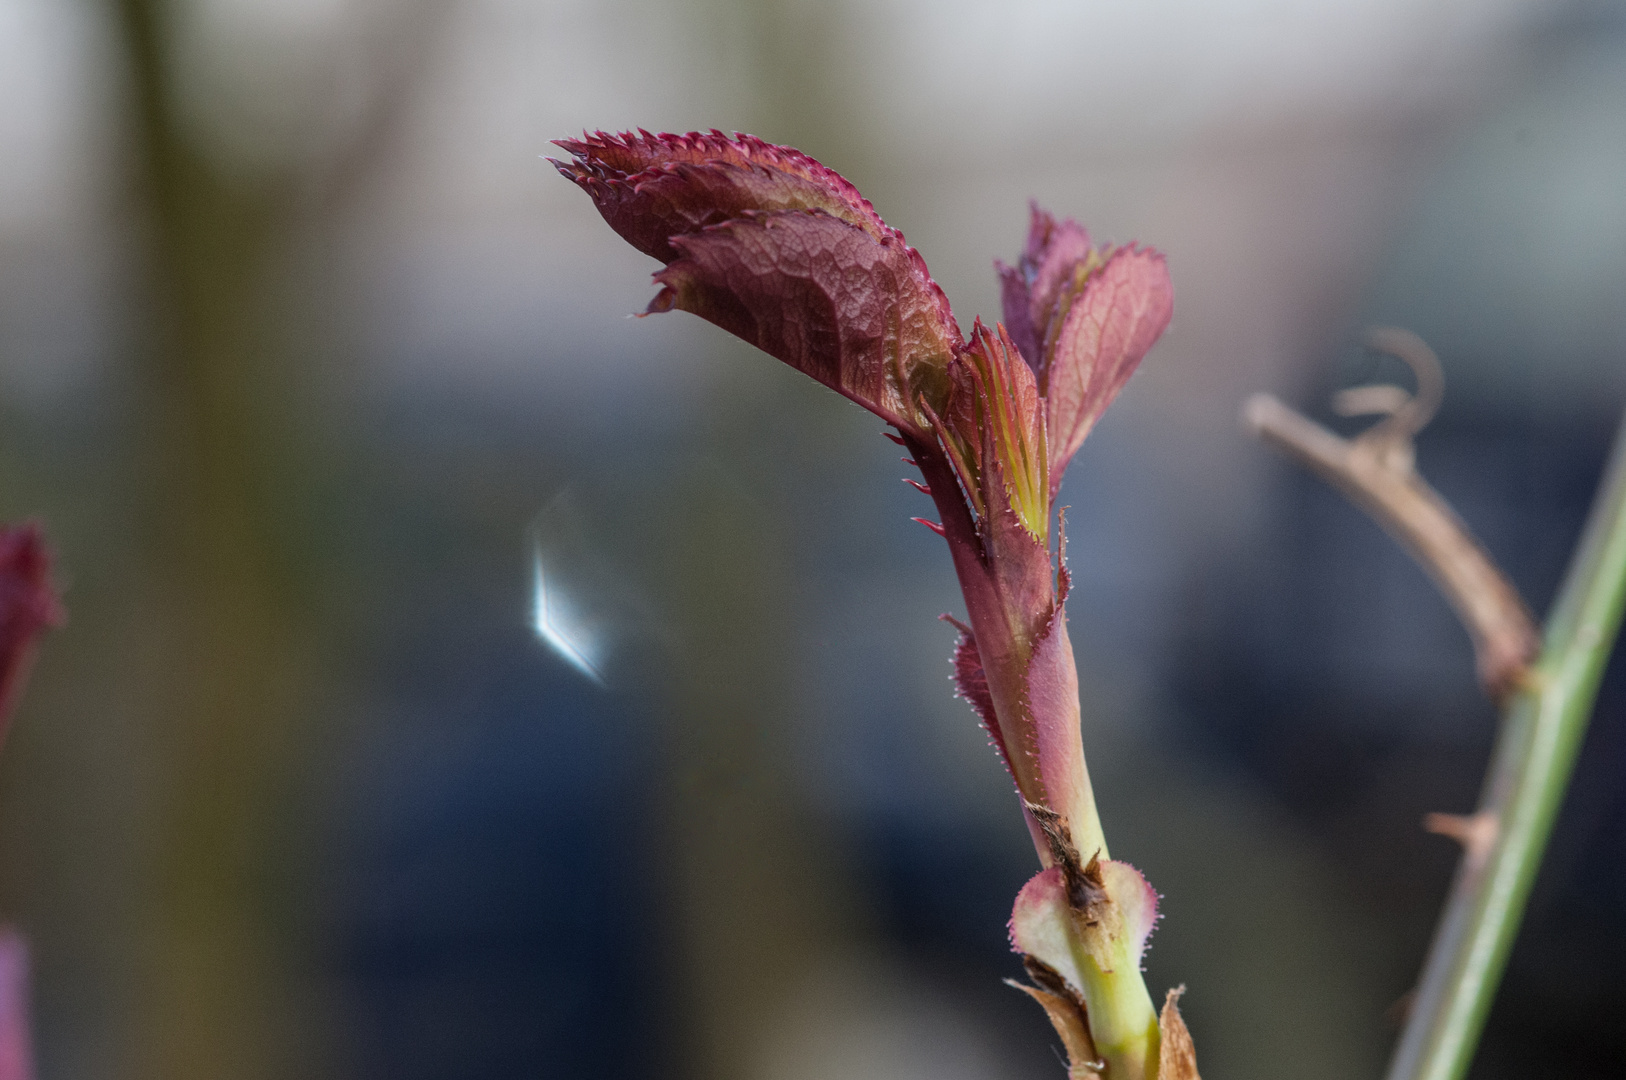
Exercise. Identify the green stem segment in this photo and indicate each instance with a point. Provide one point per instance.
(1123, 1020)
(1541, 735)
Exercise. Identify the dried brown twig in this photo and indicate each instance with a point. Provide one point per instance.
(1377, 470)
(1546, 699)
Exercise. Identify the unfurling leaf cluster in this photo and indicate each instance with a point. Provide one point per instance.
(783, 252)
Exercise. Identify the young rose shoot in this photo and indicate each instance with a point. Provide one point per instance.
(783, 252)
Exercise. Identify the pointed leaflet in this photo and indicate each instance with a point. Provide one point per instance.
(876, 327)
(1111, 318)
(1030, 289)
(689, 181)
(1083, 317)
(27, 606)
(825, 297)
(653, 187)
(878, 330)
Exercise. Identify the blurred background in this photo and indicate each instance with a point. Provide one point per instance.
(308, 363)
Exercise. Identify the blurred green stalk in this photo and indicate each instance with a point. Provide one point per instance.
(1542, 732)
(221, 465)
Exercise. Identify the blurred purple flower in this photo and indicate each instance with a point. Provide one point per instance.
(27, 606)
(16, 1049)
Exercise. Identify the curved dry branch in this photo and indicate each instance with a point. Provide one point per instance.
(1377, 471)
(1548, 701)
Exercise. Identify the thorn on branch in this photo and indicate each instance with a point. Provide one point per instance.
(1477, 833)
(1400, 1011)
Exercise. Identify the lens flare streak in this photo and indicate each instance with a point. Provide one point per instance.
(551, 618)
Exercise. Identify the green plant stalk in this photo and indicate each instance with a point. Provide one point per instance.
(1541, 735)
(1123, 1020)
